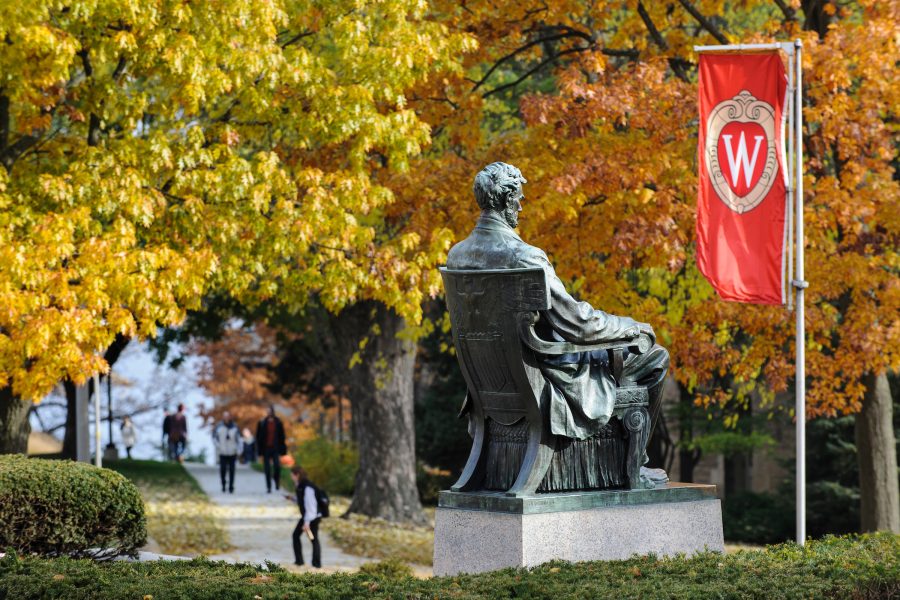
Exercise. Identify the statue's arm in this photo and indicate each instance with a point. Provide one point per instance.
(579, 322)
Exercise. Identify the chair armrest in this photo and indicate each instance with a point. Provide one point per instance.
(638, 344)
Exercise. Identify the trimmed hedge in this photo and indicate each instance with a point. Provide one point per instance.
(865, 567)
(59, 507)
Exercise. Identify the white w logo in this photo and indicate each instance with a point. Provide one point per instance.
(741, 160)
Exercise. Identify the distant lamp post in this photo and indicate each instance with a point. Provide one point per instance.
(110, 452)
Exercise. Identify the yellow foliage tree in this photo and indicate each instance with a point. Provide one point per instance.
(153, 152)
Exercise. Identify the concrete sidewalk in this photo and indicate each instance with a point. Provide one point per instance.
(259, 524)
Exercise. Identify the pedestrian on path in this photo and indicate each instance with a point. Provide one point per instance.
(227, 439)
(271, 446)
(129, 438)
(166, 428)
(310, 517)
(248, 455)
(178, 434)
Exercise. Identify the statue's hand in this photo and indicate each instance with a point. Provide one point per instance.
(646, 328)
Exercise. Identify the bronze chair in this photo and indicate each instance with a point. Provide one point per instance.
(493, 314)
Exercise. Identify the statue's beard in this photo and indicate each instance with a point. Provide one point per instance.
(511, 215)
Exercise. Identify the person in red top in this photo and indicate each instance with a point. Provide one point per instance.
(178, 434)
(271, 444)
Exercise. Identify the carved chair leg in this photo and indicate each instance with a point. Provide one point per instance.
(538, 455)
(473, 472)
(637, 422)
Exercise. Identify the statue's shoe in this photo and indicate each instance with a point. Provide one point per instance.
(653, 478)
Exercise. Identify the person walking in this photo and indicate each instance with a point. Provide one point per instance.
(166, 428)
(129, 438)
(178, 434)
(271, 446)
(310, 517)
(227, 440)
(249, 453)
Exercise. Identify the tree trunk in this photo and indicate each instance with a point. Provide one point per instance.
(876, 448)
(687, 456)
(381, 384)
(111, 355)
(14, 425)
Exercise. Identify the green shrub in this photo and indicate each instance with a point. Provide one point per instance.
(757, 518)
(863, 568)
(52, 508)
(331, 465)
(387, 569)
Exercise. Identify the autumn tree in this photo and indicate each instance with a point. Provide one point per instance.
(154, 153)
(596, 103)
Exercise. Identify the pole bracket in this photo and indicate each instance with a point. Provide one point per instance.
(800, 285)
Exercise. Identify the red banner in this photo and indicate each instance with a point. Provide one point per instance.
(741, 224)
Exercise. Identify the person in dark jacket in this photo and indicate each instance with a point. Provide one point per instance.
(310, 517)
(178, 434)
(271, 446)
(166, 428)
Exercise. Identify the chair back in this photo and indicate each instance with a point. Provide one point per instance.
(485, 306)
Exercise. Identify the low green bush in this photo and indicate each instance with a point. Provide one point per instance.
(331, 465)
(53, 508)
(864, 568)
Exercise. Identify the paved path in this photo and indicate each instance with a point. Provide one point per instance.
(259, 525)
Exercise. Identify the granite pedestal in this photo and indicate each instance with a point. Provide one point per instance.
(476, 532)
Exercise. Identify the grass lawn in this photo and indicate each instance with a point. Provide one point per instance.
(179, 515)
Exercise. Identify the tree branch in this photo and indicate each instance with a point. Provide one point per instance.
(531, 71)
(93, 137)
(4, 122)
(297, 38)
(517, 51)
(656, 36)
(789, 13)
(704, 22)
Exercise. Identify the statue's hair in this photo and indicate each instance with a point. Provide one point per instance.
(494, 184)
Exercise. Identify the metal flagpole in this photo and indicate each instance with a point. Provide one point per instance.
(797, 281)
(799, 285)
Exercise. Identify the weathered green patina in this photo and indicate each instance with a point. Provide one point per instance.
(563, 502)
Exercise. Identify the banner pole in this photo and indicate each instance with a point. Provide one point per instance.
(799, 285)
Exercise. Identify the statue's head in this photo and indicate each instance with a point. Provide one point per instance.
(498, 187)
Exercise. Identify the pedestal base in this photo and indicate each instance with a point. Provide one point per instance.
(476, 532)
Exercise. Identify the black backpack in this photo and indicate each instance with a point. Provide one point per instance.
(321, 500)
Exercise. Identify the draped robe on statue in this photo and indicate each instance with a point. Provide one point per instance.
(579, 391)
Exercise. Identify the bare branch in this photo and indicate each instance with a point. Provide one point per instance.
(789, 13)
(533, 70)
(704, 22)
(656, 36)
(517, 51)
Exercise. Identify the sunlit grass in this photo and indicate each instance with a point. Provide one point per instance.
(180, 517)
(377, 538)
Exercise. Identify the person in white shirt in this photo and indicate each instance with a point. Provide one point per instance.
(227, 438)
(129, 437)
(310, 517)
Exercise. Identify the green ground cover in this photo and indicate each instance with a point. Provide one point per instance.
(853, 567)
(180, 517)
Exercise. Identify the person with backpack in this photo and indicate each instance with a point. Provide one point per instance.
(313, 503)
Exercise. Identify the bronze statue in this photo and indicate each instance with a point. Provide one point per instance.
(508, 307)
